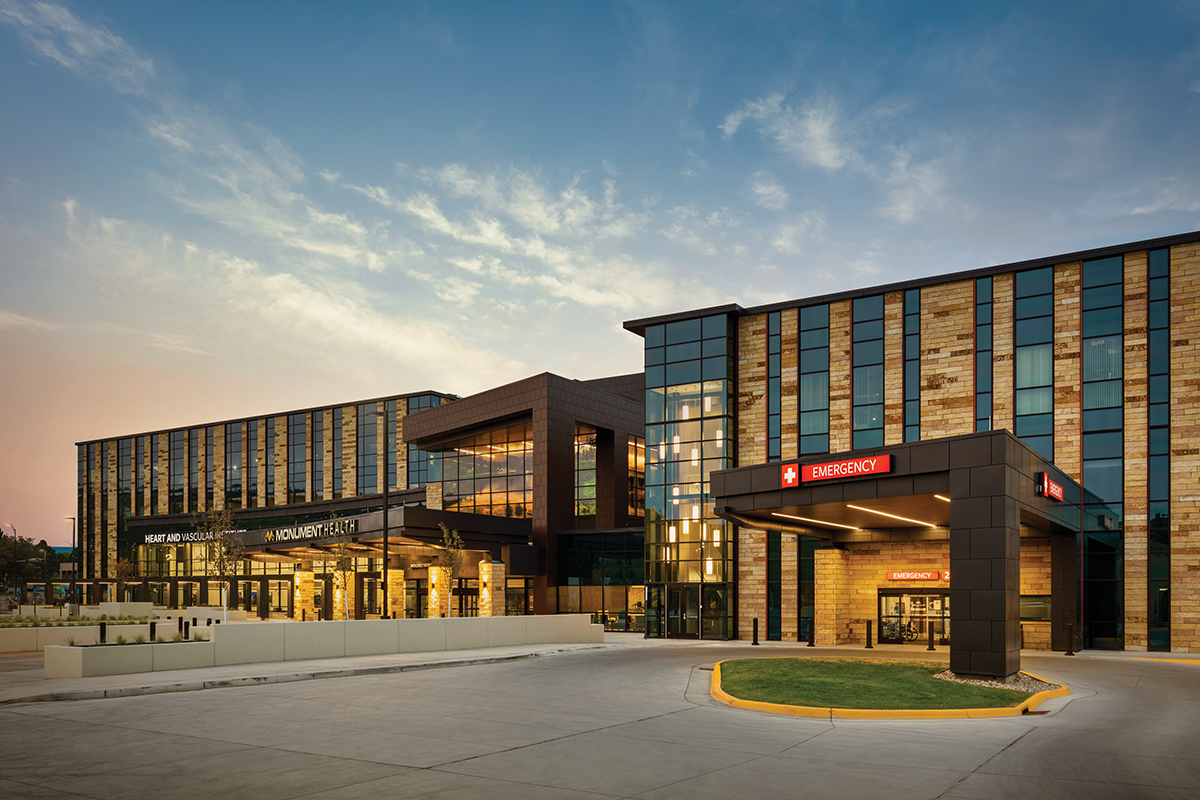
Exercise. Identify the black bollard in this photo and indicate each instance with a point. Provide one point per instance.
(193, 622)
(153, 625)
(218, 622)
(209, 622)
(304, 615)
(1070, 638)
(185, 629)
(870, 643)
(755, 631)
(812, 632)
(931, 647)
(179, 624)
(103, 632)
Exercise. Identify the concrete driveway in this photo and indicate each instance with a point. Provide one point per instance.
(633, 719)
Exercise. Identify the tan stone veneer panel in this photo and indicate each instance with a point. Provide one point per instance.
(1035, 566)
(1185, 448)
(280, 460)
(948, 359)
(831, 584)
(1068, 428)
(752, 390)
(1137, 447)
(163, 460)
(789, 586)
(219, 467)
(349, 450)
(840, 320)
(1002, 352)
(752, 581)
(789, 400)
(893, 368)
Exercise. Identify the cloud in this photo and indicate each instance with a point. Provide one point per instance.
(791, 237)
(913, 190)
(812, 135)
(86, 50)
(767, 192)
(11, 319)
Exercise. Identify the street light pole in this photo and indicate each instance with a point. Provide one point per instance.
(386, 497)
(74, 559)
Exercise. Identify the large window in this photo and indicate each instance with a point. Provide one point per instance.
(193, 461)
(1033, 367)
(139, 476)
(912, 365)
(490, 473)
(296, 458)
(585, 476)
(814, 380)
(336, 452)
(154, 475)
(233, 465)
(418, 460)
(269, 462)
(252, 464)
(637, 476)
(368, 450)
(390, 412)
(1102, 374)
(176, 472)
(689, 422)
(867, 358)
(317, 461)
(1159, 467)
(983, 354)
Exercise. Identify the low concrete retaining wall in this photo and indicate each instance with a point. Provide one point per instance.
(293, 641)
(23, 640)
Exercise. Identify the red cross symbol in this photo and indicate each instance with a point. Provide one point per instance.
(790, 476)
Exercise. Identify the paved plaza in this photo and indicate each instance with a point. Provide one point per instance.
(628, 719)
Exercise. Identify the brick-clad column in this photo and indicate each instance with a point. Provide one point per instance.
(303, 606)
(218, 467)
(1002, 352)
(752, 389)
(893, 368)
(327, 454)
(396, 595)
(752, 582)
(789, 585)
(280, 460)
(948, 360)
(839, 377)
(349, 451)
(401, 447)
(1136, 451)
(492, 583)
(789, 399)
(344, 595)
(439, 592)
(831, 578)
(1185, 455)
(1068, 352)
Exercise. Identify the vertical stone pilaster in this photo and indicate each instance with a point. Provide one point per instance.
(327, 454)
(439, 592)
(831, 577)
(433, 495)
(344, 596)
(349, 451)
(789, 399)
(752, 389)
(1136, 450)
(492, 583)
(303, 605)
(840, 316)
(1068, 352)
(752, 582)
(280, 460)
(1185, 452)
(218, 467)
(1002, 352)
(164, 483)
(401, 447)
(948, 360)
(396, 594)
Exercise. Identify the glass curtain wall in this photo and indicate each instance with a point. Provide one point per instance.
(912, 365)
(689, 423)
(176, 472)
(233, 465)
(1033, 358)
(1159, 477)
(867, 359)
(585, 476)
(296, 457)
(317, 461)
(1103, 450)
(637, 476)
(983, 354)
(193, 470)
(418, 460)
(368, 451)
(252, 464)
(814, 380)
(490, 473)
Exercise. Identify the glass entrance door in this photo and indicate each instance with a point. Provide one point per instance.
(907, 618)
(683, 612)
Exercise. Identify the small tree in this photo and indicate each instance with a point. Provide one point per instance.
(341, 567)
(223, 549)
(124, 570)
(450, 559)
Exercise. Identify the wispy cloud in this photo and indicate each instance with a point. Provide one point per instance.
(767, 192)
(11, 319)
(86, 50)
(812, 134)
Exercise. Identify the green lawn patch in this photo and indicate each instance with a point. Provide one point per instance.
(857, 683)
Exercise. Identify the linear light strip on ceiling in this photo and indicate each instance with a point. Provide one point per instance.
(813, 521)
(893, 516)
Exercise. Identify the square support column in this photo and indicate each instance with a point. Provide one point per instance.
(492, 584)
(831, 572)
(395, 589)
(1064, 590)
(302, 595)
(439, 592)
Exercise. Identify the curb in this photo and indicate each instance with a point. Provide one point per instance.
(812, 712)
(234, 683)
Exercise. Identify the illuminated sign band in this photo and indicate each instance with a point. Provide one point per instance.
(1048, 488)
(852, 468)
(920, 575)
(318, 530)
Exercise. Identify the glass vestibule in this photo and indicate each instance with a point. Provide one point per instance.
(687, 611)
(905, 616)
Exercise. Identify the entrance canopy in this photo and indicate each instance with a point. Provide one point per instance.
(975, 491)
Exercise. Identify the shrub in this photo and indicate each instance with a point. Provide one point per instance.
(121, 640)
(197, 637)
(71, 641)
(159, 638)
(178, 637)
(140, 639)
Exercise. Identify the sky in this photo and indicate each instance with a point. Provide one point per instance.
(212, 210)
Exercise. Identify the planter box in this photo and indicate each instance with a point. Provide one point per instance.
(182, 655)
(312, 640)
